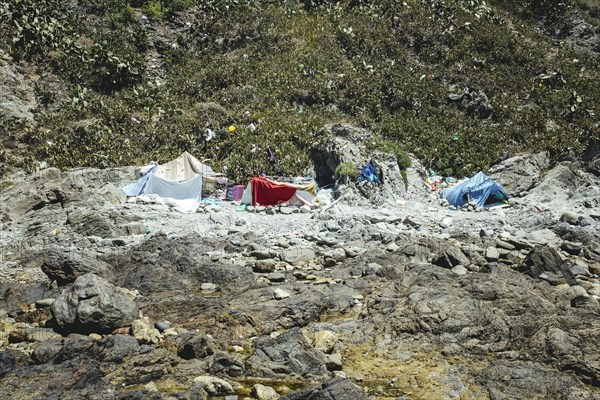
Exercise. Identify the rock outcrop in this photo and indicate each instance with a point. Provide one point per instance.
(92, 304)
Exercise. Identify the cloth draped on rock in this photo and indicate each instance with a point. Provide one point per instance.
(267, 193)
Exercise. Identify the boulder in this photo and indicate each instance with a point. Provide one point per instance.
(544, 262)
(213, 386)
(193, 345)
(66, 266)
(451, 256)
(93, 304)
(264, 266)
(570, 218)
(118, 347)
(287, 354)
(519, 174)
(298, 255)
(333, 389)
(228, 364)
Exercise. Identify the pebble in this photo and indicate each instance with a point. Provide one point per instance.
(264, 266)
(492, 254)
(208, 286)
(280, 294)
(459, 270)
(276, 277)
(162, 326)
(446, 222)
(44, 303)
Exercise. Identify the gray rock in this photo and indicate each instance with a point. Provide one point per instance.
(578, 296)
(43, 303)
(162, 325)
(288, 354)
(224, 363)
(46, 351)
(504, 245)
(144, 331)
(579, 269)
(261, 392)
(450, 257)
(354, 251)
(334, 389)
(264, 266)
(519, 174)
(570, 218)
(492, 254)
(459, 270)
(118, 347)
(208, 286)
(280, 294)
(332, 226)
(93, 304)
(276, 277)
(412, 222)
(213, 385)
(298, 255)
(333, 362)
(66, 266)
(545, 262)
(262, 254)
(93, 223)
(191, 345)
(571, 247)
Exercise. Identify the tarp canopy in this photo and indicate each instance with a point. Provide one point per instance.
(478, 189)
(265, 192)
(183, 168)
(177, 182)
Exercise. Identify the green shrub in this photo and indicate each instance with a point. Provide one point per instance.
(154, 9)
(346, 169)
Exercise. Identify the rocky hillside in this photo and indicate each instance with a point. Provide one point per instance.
(102, 299)
(104, 83)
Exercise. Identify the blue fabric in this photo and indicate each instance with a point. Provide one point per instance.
(137, 188)
(478, 188)
(369, 173)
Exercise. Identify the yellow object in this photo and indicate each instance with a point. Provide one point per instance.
(231, 128)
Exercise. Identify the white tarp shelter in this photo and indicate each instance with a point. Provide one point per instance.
(178, 182)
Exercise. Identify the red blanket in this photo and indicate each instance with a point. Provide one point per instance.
(267, 193)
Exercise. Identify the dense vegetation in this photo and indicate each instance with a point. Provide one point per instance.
(454, 82)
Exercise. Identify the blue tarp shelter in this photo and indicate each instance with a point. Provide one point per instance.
(477, 189)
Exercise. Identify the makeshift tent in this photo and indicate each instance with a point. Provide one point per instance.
(265, 192)
(178, 182)
(479, 189)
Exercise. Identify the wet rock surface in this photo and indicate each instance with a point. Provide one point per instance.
(103, 299)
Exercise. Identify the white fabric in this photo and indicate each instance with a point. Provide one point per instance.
(191, 189)
(183, 168)
(247, 196)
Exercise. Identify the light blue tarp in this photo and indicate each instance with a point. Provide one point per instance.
(137, 187)
(477, 189)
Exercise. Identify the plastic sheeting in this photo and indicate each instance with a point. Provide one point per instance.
(190, 189)
(183, 168)
(477, 190)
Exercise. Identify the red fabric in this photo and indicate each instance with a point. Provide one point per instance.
(267, 193)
